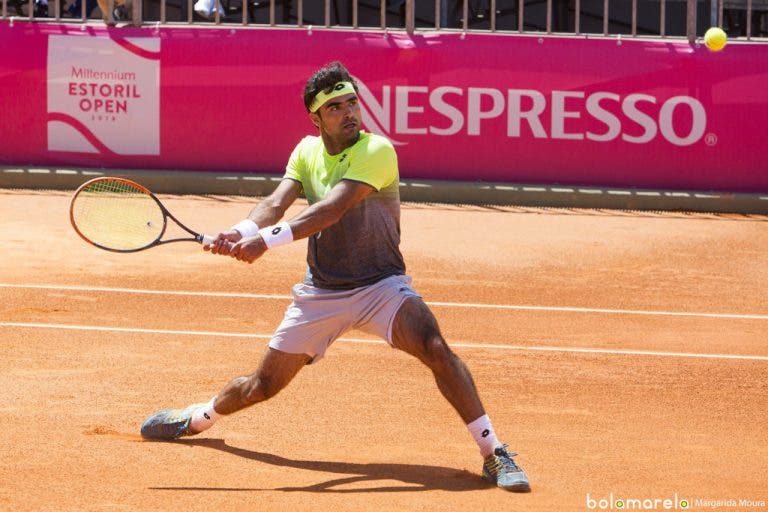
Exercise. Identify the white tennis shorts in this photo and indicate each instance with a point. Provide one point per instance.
(317, 317)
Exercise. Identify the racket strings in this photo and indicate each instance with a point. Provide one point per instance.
(117, 215)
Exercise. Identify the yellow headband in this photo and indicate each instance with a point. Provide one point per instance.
(340, 89)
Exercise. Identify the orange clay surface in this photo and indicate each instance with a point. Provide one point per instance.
(586, 333)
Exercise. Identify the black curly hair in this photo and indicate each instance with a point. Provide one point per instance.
(324, 79)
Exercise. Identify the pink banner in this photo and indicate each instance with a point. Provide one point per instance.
(496, 108)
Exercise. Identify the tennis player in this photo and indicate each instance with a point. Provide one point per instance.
(355, 277)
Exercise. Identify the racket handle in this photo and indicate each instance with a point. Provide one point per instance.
(207, 240)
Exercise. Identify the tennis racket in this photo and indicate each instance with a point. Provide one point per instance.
(119, 215)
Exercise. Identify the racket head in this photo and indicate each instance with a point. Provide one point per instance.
(117, 214)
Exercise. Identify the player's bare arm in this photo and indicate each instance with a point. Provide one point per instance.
(272, 209)
(267, 212)
(313, 219)
(342, 197)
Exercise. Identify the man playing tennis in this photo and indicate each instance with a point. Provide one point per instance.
(355, 277)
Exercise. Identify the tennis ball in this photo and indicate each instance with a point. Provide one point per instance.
(715, 39)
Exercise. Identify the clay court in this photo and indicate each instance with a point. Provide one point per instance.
(621, 354)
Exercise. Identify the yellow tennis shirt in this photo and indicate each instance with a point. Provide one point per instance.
(363, 247)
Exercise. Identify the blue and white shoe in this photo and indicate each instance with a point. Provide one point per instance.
(500, 469)
(169, 424)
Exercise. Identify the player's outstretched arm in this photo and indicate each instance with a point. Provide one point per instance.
(340, 199)
(311, 220)
(273, 207)
(267, 212)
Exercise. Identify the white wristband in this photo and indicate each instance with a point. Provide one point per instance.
(246, 228)
(277, 235)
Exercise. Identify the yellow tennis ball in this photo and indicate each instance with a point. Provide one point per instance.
(715, 39)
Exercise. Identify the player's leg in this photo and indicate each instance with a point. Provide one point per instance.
(415, 331)
(275, 371)
(309, 326)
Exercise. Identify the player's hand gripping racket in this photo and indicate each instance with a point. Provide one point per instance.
(120, 215)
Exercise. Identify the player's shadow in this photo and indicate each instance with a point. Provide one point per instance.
(414, 477)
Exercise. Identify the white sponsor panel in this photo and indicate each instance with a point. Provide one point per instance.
(103, 91)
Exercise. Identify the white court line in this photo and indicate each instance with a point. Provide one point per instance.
(360, 340)
(519, 307)
(147, 292)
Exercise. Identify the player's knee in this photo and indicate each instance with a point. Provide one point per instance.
(259, 389)
(417, 333)
(435, 353)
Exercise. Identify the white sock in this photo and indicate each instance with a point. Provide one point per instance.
(204, 417)
(482, 430)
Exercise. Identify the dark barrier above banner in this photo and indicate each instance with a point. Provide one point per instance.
(497, 108)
